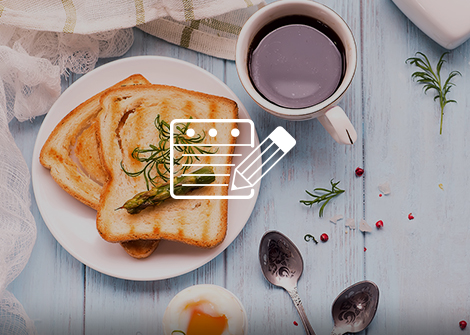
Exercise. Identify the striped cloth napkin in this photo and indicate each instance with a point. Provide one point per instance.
(208, 26)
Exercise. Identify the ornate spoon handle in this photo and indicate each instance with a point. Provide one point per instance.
(298, 304)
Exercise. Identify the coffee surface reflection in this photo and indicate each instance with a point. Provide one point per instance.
(296, 62)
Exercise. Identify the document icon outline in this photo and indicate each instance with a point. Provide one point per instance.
(172, 157)
(279, 140)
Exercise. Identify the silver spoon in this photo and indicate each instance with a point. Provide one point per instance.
(282, 266)
(355, 307)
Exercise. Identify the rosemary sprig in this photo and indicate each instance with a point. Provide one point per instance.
(432, 79)
(157, 157)
(325, 197)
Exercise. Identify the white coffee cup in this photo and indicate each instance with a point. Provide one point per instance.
(331, 116)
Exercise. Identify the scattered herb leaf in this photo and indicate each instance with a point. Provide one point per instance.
(157, 158)
(309, 237)
(432, 79)
(325, 197)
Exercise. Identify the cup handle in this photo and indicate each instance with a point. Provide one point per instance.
(337, 124)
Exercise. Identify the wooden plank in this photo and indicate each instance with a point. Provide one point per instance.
(419, 265)
(313, 162)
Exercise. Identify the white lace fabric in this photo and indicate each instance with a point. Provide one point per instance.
(31, 65)
(42, 40)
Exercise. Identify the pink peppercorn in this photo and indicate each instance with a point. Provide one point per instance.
(359, 172)
(462, 324)
(324, 237)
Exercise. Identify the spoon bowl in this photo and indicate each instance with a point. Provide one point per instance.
(282, 265)
(355, 307)
(281, 261)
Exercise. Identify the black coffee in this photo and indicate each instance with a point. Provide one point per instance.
(296, 61)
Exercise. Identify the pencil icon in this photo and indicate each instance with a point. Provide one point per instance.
(274, 147)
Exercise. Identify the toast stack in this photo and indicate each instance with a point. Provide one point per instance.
(88, 148)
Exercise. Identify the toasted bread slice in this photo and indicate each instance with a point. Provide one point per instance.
(56, 153)
(126, 122)
(85, 184)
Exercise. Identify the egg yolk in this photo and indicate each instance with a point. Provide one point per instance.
(205, 324)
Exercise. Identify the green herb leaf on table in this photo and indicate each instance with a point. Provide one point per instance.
(309, 237)
(325, 196)
(157, 157)
(432, 79)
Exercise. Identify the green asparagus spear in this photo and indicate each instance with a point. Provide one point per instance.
(160, 193)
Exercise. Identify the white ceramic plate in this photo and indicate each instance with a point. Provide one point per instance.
(73, 224)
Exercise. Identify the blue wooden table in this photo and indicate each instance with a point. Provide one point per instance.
(422, 266)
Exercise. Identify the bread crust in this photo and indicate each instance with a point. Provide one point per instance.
(202, 223)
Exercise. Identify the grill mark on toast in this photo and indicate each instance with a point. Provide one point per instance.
(213, 110)
(131, 230)
(140, 123)
(188, 108)
(119, 128)
(180, 233)
(206, 223)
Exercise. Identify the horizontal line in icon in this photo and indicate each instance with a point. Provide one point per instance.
(200, 185)
(205, 175)
(212, 155)
(208, 164)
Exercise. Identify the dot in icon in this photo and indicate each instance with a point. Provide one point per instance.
(190, 132)
(213, 132)
(235, 132)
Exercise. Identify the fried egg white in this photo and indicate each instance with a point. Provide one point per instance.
(204, 310)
